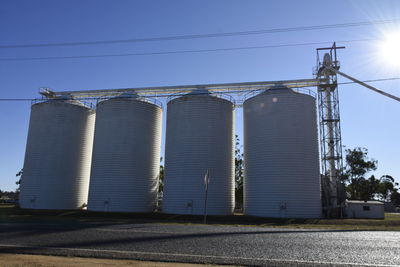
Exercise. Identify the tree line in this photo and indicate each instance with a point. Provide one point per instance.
(362, 186)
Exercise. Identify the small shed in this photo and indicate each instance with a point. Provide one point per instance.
(364, 209)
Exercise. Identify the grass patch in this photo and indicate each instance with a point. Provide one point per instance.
(10, 213)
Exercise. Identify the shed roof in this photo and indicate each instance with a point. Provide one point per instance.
(370, 202)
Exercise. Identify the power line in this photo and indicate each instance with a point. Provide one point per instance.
(225, 92)
(207, 35)
(16, 99)
(180, 51)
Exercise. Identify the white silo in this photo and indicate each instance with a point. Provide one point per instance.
(199, 138)
(281, 160)
(126, 155)
(58, 155)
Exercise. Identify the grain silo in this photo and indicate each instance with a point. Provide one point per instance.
(126, 155)
(281, 160)
(199, 138)
(58, 155)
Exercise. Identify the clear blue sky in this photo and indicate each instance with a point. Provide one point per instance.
(368, 119)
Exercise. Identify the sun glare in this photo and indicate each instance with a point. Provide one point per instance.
(390, 49)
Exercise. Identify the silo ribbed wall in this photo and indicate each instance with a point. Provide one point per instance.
(58, 155)
(126, 156)
(281, 155)
(199, 137)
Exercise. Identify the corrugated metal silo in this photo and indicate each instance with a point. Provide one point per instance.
(281, 157)
(199, 137)
(58, 155)
(126, 156)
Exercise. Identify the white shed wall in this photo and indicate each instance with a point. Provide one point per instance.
(357, 211)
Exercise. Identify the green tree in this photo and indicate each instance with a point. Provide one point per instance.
(358, 163)
(395, 197)
(386, 187)
(18, 183)
(357, 166)
(361, 188)
(161, 178)
(160, 185)
(366, 188)
(238, 171)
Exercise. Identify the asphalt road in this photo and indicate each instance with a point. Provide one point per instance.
(202, 243)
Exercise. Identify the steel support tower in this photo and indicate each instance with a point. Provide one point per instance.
(330, 134)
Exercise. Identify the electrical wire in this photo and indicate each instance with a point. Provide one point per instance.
(207, 35)
(168, 95)
(16, 99)
(181, 51)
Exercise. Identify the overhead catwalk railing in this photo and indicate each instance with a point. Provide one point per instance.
(165, 91)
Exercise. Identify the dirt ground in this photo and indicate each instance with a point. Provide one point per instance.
(19, 260)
